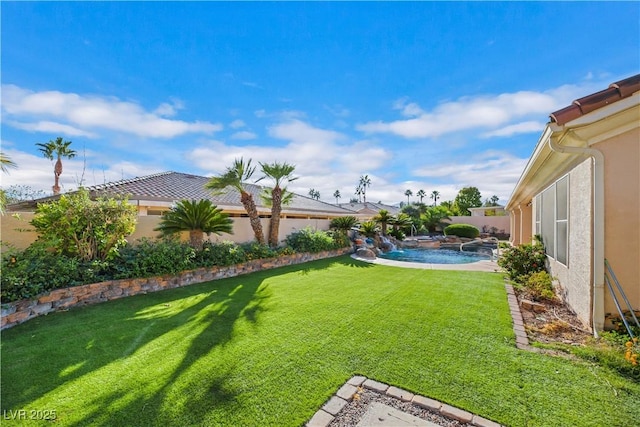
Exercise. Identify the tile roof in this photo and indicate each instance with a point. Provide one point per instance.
(172, 186)
(615, 92)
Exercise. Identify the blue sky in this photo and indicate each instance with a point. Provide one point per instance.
(432, 96)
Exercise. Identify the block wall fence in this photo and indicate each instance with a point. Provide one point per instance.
(18, 312)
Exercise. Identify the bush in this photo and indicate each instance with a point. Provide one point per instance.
(539, 286)
(310, 240)
(523, 260)
(81, 228)
(38, 269)
(462, 230)
(398, 234)
(222, 254)
(148, 258)
(254, 250)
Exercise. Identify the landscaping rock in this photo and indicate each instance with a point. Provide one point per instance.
(365, 253)
(531, 305)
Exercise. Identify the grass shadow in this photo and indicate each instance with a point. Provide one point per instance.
(113, 332)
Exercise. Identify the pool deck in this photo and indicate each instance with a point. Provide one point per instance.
(487, 266)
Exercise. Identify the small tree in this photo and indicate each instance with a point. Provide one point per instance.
(196, 217)
(79, 227)
(468, 197)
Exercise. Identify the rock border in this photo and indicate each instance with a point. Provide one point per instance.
(17, 312)
(331, 409)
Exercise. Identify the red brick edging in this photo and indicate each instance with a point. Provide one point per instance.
(18, 312)
(522, 341)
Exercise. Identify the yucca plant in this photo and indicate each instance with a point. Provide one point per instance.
(196, 217)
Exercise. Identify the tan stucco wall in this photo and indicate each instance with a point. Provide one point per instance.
(500, 222)
(622, 212)
(144, 228)
(13, 229)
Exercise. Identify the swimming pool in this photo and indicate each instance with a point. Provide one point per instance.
(435, 256)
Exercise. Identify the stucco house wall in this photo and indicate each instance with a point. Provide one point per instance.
(622, 210)
(595, 142)
(574, 278)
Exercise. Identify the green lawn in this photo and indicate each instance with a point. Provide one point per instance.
(269, 348)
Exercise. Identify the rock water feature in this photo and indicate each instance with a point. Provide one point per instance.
(368, 247)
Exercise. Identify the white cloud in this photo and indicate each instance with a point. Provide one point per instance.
(237, 124)
(46, 126)
(169, 110)
(88, 113)
(518, 128)
(492, 112)
(244, 135)
(492, 172)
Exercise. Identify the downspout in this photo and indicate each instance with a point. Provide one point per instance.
(598, 219)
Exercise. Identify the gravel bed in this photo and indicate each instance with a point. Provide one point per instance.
(351, 414)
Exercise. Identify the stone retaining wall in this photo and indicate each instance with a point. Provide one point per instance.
(18, 312)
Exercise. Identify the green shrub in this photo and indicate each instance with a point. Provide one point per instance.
(37, 269)
(523, 260)
(254, 250)
(539, 286)
(222, 254)
(462, 230)
(397, 233)
(146, 258)
(310, 240)
(82, 228)
(340, 239)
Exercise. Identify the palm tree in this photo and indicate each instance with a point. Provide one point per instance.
(408, 193)
(314, 194)
(344, 223)
(337, 195)
(359, 192)
(421, 194)
(197, 217)
(435, 217)
(6, 163)
(279, 173)
(401, 221)
(234, 177)
(383, 218)
(365, 182)
(435, 195)
(60, 149)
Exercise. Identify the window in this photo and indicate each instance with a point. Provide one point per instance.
(562, 220)
(552, 219)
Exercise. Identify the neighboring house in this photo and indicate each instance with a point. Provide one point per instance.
(367, 210)
(580, 191)
(155, 194)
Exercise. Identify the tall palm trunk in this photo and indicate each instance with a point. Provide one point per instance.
(254, 218)
(274, 223)
(57, 171)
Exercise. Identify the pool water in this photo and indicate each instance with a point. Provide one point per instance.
(435, 256)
